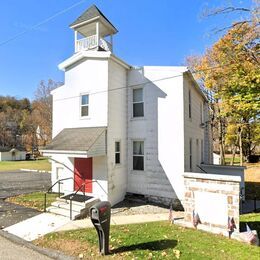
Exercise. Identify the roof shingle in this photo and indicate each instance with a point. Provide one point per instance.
(75, 139)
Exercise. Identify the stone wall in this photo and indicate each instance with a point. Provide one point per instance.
(214, 198)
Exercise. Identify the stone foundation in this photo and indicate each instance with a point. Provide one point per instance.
(176, 203)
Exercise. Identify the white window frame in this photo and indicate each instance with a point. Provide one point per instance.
(202, 151)
(202, 113)
(118, 152)
(189, 108)
(84, 105)
(190, 154)
(137, 102)
(138, 155)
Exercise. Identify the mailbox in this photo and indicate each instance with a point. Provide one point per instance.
(100, 216)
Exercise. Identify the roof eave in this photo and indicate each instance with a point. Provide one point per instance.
(189, 74)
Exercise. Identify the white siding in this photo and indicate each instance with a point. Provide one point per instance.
(192, 126)
(7, 156)
(162, 122)
(88, 77)
(117, 131)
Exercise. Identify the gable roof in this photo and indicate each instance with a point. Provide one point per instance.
(89, 14)
(78, 139)
(9, 149)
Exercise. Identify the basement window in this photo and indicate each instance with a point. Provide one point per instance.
(138, 155)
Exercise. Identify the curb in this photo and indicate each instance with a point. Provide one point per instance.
(40, 171)
(54, 254)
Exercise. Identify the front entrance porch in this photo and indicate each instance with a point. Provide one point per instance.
(83, 174)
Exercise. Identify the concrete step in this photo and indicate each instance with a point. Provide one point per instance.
(65, 205)
(79, 209)
(62, 212)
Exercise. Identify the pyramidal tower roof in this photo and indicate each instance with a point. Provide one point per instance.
(89, 15)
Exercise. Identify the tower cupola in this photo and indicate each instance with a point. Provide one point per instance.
(93, 31)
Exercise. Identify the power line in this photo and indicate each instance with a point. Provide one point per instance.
(41, 23)
(139, 84)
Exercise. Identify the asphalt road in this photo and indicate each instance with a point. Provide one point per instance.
(12, 251)
(15, 183)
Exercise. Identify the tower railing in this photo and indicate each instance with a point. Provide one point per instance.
(90, 42)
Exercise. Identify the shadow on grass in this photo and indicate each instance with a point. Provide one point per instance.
(153, 246)
(254, 225)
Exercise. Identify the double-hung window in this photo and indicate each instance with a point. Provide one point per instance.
(117, 153)
(190, 154)
(189, 103)
(84, 105)
(138, 155)
(138, 102)
(201, 151)
(201, 113)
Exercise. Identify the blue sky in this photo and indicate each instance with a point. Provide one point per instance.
(151, 32)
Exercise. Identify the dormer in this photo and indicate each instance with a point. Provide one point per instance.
(93, 31)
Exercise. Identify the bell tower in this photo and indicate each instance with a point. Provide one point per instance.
(93, 31)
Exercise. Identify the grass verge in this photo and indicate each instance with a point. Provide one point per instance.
(157, 240)
(33, 200)
(40, 164)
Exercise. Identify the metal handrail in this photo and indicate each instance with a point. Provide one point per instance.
(48, 191)
(74, 194)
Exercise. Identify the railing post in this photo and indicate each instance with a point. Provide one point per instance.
(70, 209)
(45, 198)
(97, 34)
(59, 188)
(84, 191)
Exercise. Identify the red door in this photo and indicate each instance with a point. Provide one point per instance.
(83, 173)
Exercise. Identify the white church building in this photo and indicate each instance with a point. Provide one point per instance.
(121, 129)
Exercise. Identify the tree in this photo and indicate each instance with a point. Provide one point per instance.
(42, 111)
(230, 71)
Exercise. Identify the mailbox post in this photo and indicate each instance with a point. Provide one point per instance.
(100, 216)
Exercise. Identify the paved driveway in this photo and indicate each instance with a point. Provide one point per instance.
(15, 183)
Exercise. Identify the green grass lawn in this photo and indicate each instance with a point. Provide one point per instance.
(33, 200)
(40, 164)
(228, 160)
(157, 240)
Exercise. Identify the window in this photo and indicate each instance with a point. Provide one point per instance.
(138, 155)
(117, 152)
(84, 105)
(189, 103)
(190, 148)
(201, 151)
(201, 113)
(138, 102)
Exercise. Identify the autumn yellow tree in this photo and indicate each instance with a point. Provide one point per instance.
(230, 71)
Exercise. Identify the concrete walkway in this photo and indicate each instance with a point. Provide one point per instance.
(45, 223)
(38, 226)
(116, 220)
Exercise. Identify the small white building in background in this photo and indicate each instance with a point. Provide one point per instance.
(121, 129)
(216, 158)
(12, 154)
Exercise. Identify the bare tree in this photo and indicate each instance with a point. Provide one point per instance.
(42, 111)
